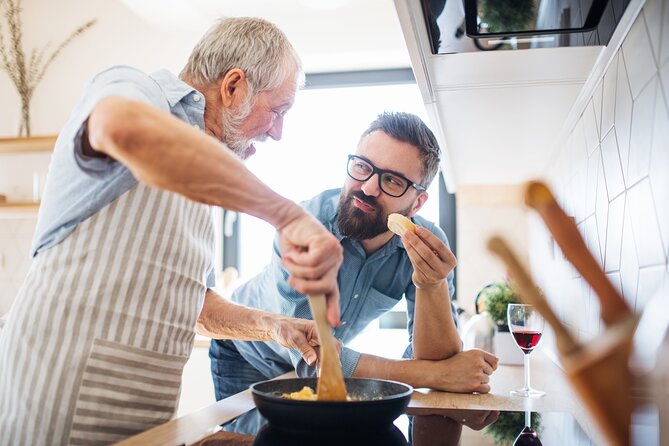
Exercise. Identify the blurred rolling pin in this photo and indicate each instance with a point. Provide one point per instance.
(599, 374)
(613, 307)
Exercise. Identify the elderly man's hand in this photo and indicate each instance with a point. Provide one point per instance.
(431, 259)
(297, 334)
(465, 372)
(312, 256)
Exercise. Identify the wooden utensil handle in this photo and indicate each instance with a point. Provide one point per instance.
(318, 311)
(529, 291)
(331, 386)
(539, 197)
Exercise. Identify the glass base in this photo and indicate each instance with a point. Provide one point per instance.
(528, 393)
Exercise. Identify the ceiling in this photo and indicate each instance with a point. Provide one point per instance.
(329, 35)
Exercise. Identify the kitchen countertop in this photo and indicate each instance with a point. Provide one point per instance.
(546, 376)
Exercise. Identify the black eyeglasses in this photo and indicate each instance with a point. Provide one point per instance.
(391, 183)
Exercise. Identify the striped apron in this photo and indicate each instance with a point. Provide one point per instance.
(95, 344)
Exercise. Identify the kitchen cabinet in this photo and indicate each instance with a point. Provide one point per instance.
(14, 146)
(500, 116)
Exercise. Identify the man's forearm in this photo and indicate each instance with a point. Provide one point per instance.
(165, 152)
(464, 372)
(435, 335)
(411, 371)
(223, 319)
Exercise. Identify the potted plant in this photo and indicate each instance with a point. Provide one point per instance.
(509, 424)
(494, 298)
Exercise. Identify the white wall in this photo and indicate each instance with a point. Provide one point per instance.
(119, 37)
(482, 211)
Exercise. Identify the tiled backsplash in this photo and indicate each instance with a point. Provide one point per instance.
(612, 175)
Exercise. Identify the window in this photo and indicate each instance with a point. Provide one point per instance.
(321, 130)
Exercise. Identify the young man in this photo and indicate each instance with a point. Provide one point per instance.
(396, 159)
(95, 344)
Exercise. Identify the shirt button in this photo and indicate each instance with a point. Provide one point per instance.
(196, 97)
(196, 126)
(355, 296)
(343, 322)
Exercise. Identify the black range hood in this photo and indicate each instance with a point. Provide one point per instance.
(482, 25)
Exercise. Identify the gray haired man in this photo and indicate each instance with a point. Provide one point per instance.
(96, 341)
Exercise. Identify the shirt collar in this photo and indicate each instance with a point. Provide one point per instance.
(174, 88)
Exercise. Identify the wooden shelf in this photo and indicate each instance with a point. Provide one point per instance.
(19, 206)
(28, 145)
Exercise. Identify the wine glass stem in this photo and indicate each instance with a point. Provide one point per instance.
(526, 368)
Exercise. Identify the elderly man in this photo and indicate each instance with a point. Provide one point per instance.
(95, 344)
(396, 159)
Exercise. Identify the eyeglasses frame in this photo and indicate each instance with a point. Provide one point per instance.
(375, 170)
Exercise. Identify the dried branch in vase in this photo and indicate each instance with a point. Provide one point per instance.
(26, 75)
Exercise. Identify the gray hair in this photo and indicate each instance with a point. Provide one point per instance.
(411, 129)
(255, 46)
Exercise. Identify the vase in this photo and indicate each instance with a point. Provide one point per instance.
(24, 128)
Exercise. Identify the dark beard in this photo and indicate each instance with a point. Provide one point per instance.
(358, 225)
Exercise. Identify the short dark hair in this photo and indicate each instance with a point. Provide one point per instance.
(411, 129)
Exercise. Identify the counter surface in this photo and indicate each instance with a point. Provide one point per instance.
(545, 375)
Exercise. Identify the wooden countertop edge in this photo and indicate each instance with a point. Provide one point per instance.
(192, 427)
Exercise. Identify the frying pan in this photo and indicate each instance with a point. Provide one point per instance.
(375, 405)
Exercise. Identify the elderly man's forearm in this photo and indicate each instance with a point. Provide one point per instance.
(221, 318)
(165, 152)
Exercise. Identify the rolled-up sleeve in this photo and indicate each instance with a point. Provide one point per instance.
(120, 81)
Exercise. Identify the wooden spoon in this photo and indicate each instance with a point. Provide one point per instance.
(331, 385)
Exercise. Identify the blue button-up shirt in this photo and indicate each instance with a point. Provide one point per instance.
(369, 287)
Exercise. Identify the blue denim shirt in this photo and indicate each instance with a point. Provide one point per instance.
(78, 186)
(369, 287)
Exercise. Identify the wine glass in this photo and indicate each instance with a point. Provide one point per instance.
(527, 437)
(526, 325)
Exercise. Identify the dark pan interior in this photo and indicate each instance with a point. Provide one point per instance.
(375, 404)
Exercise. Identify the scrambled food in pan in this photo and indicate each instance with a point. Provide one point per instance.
(306, 394)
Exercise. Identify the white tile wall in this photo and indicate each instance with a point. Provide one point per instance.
(638, 56)
(653, 15)
(609, 96)
(623, 113)
(643, 111)
(617, 186)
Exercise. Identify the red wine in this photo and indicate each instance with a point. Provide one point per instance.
(527, 340)
(527, 437)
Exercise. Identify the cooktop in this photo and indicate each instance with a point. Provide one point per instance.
(419, 427)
